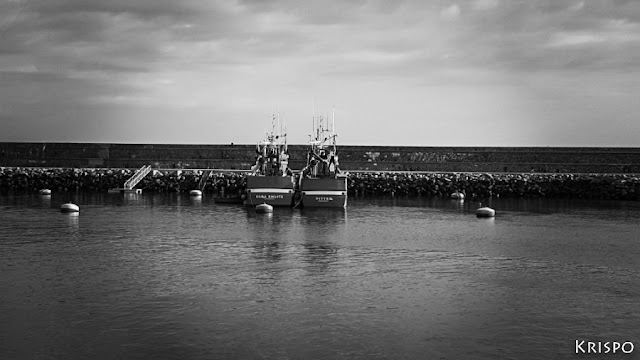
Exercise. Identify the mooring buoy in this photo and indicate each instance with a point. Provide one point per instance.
(264, 208)
(69, 208)
(485, 211)
(457, 195)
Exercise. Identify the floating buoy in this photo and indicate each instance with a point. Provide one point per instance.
(485, 211)
(264, 208)
(69, 208)
(195, 193)
(45, 192)
(457, 196)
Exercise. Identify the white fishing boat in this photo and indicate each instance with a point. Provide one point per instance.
(271, 181)
(321, 182)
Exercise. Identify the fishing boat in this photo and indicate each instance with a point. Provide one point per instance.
(270, 180)
(321, 183)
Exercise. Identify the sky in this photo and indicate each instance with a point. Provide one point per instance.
(413, 72)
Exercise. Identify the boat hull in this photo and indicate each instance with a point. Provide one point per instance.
(272, 190)
(323, 192)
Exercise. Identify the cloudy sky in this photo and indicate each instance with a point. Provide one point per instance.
(414, 72)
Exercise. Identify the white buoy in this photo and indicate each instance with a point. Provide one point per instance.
(69, 208)
(485, 211)
(195, 193)
(264, 208)
(45, 192)
(457, 196)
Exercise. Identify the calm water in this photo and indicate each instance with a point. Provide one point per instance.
(172, 277)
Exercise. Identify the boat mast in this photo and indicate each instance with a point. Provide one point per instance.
(285, 137)
(313, 117)
(279, 126)
(333, 126)
(333, 121)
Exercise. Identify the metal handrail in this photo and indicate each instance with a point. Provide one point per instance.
(203, 180)
(139, 175)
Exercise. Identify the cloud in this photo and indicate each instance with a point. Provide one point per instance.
(450, 12)
(540, 36)
(485, 4)
(611, 32)
(579, 5)
(563, 39)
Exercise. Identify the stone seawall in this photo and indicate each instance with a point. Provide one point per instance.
(474, 185)
(372, 158)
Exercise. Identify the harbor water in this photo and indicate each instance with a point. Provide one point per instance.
(168, 276)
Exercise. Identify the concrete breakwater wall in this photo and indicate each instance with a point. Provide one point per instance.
(372, 158)
(474, 185)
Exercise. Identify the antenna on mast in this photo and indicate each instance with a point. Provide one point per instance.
(285, 137)
(333, 121)
(273, 124)
(279, 126)
(313, 115)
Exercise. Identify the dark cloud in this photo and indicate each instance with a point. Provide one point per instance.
(24, 89)
(309, 12)
(144, 9)
(503, 32)
(523, 36)
(140, 22)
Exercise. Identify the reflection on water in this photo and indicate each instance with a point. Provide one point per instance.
(458, 205)
(45, 201)
(196, 200)
(130, 198)
(270, 251)
(489, 221)
(170, 276)
(73, 219)
(321, 228)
